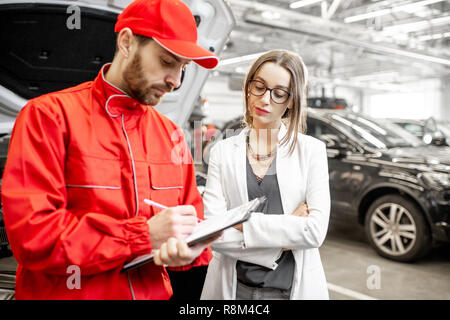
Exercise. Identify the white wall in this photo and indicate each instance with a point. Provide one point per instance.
(423, 100)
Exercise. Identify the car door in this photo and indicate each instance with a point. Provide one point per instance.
(342, 188)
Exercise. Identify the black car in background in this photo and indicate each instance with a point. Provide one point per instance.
(383, 179)
(430, 130)
(5, 249)
(327, 103)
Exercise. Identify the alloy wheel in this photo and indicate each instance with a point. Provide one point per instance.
(393, 229)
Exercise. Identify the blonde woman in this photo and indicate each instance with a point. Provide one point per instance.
(275, 254)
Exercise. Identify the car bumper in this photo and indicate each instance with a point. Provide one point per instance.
(440, 210)
(441, 231)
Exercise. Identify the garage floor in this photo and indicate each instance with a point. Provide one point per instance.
(349, 264)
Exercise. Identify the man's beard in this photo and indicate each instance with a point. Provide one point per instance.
(137, 86)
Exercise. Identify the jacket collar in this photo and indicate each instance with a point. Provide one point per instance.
(115, 101)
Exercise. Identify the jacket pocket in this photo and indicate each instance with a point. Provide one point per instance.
(94, 185)
(92, 173)
(166, 184)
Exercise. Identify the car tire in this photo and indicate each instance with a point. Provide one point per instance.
(396, 228)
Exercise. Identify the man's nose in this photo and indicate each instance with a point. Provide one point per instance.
(174, 78)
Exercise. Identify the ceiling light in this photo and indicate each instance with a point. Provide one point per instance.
(368, 15)
(303, 3)
(271, 15)
(414, 26)
(249, 57)
(411, 7)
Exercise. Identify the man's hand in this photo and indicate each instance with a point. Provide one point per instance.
(239, 227)
(176, 222)
(176, 253)
(301, 210)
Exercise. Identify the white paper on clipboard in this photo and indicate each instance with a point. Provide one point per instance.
(209, 228)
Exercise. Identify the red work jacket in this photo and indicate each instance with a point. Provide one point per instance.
(81, 161)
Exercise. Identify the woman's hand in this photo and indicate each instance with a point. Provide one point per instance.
(301, 210)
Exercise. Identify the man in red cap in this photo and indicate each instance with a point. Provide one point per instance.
(82, 160)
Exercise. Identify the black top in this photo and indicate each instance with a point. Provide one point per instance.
(256, 275)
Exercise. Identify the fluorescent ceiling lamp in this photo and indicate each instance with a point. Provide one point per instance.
(249, 57)
(414, 26)
(271, 15)
(303, 3)
(411, 7)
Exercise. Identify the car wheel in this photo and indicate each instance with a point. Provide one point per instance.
(396, 228)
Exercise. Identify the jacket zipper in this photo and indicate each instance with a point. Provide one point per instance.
(135, 191)
(133, 167)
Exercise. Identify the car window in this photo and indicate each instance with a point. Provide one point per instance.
(376, 134)
(326, 133)
(413, 128)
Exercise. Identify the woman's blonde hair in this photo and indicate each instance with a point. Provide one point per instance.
(295, 117)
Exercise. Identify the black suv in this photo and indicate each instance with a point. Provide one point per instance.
(5, 249)
(384, 179)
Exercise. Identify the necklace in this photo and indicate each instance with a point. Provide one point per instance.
(260, 157)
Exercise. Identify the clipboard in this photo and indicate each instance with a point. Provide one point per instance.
(209, 229)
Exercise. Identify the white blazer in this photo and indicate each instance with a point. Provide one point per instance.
(302, 176)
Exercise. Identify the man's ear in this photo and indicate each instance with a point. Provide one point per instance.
(125, 42)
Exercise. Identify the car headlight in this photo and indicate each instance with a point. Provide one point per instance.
(436, 179)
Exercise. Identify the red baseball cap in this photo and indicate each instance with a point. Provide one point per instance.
(171, 24)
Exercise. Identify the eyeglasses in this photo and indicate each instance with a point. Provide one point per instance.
(278, 96)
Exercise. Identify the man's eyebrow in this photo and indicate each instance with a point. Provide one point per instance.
(263, 80)
(176, 58)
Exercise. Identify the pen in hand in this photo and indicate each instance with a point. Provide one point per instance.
(161, 206)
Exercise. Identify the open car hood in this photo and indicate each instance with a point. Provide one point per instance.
(44, 50)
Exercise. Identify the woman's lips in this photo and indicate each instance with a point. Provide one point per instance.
(261, 111)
